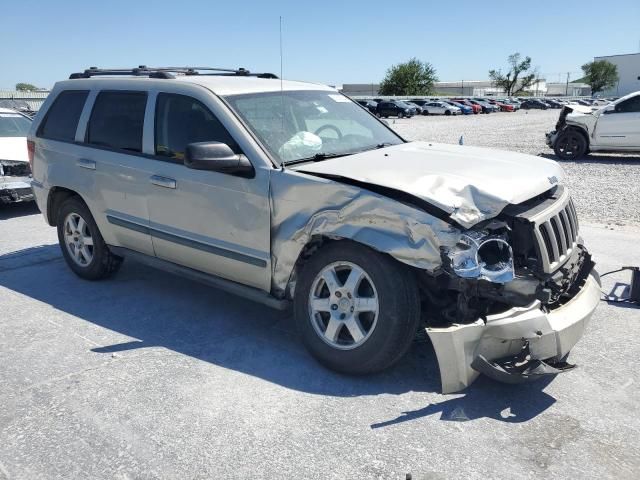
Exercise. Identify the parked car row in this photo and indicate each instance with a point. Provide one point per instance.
(468, 105)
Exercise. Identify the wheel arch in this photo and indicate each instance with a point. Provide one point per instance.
(316, 242)
(57, 196)
(578, 129)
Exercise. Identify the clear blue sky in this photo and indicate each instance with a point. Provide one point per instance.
(324, 41)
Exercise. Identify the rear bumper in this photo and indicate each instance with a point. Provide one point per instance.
(15, 189)
(548, 336)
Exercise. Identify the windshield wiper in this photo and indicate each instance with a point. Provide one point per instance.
(318, 157)
(324, 156)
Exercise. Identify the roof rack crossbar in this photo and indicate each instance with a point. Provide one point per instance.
(166, 72)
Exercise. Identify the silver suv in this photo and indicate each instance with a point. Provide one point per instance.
(290, 193)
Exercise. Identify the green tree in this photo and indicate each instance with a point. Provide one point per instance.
(25, 87)
(600, 75)
(518, 78)
(410, 78)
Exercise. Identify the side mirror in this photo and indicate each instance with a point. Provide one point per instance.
(217, 157)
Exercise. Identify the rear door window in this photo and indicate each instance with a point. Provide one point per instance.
(61, 121)
(181, 120)
(117, 120)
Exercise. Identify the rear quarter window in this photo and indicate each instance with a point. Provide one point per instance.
(117, 120)
(61, 121)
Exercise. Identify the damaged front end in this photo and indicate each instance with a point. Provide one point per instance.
(513, 296)
(517, 282)
(15, 181)
(577, 112)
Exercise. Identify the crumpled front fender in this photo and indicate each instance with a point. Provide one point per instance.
(304, 207)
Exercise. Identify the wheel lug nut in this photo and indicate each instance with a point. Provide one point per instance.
(334, 307)
(351, 309)
(342, 316)
(349, 294)
(338, 294)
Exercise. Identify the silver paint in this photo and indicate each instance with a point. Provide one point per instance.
(304, 206)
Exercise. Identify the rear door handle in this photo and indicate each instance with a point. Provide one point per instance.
(161, 181)
(85, 163)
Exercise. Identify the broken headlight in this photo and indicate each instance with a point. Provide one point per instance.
(482, 255)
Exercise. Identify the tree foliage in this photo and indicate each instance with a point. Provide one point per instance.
(410, 78)
(518, 78)
(600, 75)
(26, 87)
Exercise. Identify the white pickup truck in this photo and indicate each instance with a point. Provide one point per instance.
(612, 128)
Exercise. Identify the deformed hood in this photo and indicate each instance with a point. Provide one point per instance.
(470, 184)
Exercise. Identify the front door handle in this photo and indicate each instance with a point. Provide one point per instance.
(161, 181)
(85, 163)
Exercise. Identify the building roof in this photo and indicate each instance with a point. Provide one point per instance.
(618, 55)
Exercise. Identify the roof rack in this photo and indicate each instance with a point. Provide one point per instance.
(167, 72)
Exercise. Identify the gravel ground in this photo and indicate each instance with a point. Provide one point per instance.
(606, 188)
(151, 376)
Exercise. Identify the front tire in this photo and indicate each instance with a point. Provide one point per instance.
(82, 244)
(570, 145)
(447, 112)
(357, 310)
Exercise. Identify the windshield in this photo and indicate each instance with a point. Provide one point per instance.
(299, 125)
(14, 125)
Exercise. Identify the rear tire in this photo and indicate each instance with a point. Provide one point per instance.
(570, 145)
(82, 244)
(383, 309)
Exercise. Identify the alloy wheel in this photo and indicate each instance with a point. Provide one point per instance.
(343, 305)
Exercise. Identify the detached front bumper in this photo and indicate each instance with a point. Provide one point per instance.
(546, 336)
(550, 138)
(16, 189)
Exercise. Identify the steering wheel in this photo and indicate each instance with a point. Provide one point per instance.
(328, 127)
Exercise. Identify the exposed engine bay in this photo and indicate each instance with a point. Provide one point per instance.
(499, 265)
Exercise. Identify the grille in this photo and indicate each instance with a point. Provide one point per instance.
(556, 233)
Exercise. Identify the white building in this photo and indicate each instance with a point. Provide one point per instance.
(628, 71)
(571, 89)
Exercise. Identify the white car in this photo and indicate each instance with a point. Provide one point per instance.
(439, 108)
(15, 174)
(613, 128)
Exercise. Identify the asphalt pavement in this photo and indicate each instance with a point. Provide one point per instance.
(148, 375)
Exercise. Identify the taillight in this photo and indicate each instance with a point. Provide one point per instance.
(31, 149)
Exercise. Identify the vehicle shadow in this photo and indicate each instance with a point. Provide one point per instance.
(486, 399)
(618, 296)
(598, 158)
(22, 209)
(142, 308)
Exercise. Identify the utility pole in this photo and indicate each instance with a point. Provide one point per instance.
(566, 90)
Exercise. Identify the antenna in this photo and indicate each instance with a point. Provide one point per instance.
(281, 88)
